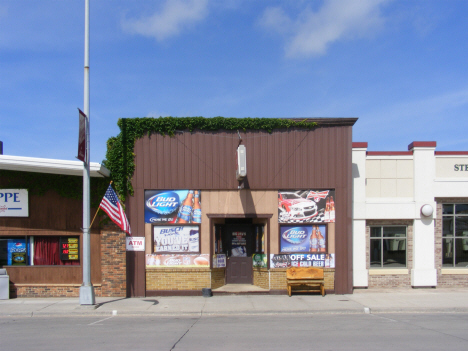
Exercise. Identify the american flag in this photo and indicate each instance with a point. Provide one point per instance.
(110, 204)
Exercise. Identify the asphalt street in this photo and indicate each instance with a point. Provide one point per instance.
(399, 331)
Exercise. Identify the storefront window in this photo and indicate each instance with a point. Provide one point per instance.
(455, 235)
(388, 247)
(38, 251)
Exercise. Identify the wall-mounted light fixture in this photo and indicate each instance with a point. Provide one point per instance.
(427, 210)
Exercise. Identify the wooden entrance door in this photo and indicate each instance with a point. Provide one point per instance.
(239, 262)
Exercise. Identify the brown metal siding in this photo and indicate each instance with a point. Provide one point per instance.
(287, 159)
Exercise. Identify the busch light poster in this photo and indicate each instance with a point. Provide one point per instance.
(176, 239)
(306, 206)
(303, 238)
(172, 206)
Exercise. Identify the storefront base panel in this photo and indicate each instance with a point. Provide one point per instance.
(390, 281)
(46, 290)
(261, 278)
(177, 279)
(452, 281)
(154, 293)
(191, 281)
(218, 278)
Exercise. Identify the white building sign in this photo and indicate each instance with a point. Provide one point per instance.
(14, 203)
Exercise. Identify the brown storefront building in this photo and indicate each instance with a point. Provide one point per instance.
(205, 228)
(41, 238)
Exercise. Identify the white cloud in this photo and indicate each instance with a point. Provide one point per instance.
(311, 33)
(173, 17)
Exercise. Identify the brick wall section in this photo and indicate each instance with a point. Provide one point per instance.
(329, 277)
(396, 280)
(278, 279)
(261, 278)
(446, 280)
(217, 278)
(49, 291)
(178, 278)
(113, 262)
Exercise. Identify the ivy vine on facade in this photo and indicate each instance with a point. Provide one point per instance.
(120, 149)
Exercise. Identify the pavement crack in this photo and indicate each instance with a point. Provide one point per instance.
(188, 329)
(47, 306)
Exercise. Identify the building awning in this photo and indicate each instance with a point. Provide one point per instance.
(45, 165)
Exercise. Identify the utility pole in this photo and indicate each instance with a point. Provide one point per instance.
(86, 289)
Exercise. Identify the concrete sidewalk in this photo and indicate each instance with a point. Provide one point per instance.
(362, 301)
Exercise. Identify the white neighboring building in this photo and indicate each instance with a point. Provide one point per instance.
(410, 226)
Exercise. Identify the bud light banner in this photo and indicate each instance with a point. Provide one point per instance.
(306, 206)
(302, 260)
(172, 206)
(177, 239)
(165, 261)
(303, 238)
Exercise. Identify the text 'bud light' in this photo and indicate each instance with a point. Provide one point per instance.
(164, 203)
(296, 235)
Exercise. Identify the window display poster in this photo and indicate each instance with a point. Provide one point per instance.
(302, 260)
(219, 261)
(176, 239)
(239, 243)
(172, 206)
(69, 249)
(14, 253)
(306, 206)
(304, 238)
(164, 261)
(259, 260)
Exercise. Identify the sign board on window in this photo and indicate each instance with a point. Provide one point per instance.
(176, 239)
(173, 206)
(306, 206)
(14, 203)
(171, 260)
(69, 249)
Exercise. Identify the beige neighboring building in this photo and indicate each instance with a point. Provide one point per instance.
(410, 217)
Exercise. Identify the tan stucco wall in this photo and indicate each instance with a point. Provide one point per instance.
(389, 178)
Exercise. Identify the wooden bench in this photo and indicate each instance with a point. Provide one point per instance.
(305, 277)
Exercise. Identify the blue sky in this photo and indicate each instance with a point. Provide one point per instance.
(399, 66)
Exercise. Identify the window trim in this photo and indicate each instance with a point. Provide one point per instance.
(381, 238)
(31, 247)
(453, 236)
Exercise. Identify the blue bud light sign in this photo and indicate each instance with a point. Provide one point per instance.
(295, 239)
(303, 238)
(172, 206)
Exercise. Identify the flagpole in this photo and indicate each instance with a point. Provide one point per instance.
(86, 289)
